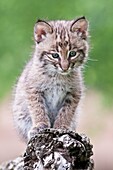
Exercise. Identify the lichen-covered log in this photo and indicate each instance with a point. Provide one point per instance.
(55, 150)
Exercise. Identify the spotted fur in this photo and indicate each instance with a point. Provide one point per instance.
(50, 88)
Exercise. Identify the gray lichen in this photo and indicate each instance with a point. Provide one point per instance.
(55, 150)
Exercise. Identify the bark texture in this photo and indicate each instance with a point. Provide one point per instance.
(54, 149)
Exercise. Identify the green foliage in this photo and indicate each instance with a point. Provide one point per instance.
(17, 19)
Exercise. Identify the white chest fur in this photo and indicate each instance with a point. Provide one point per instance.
(55, 96)
(56, 89)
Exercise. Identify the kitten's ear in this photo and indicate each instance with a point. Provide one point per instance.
(41, 29)
(80, 26)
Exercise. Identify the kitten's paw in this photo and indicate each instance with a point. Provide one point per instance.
(35, 130)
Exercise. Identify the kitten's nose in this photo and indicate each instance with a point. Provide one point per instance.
(64, 65)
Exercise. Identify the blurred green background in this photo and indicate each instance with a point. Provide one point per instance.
(17, 20)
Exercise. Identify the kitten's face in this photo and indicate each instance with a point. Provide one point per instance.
(63, 44)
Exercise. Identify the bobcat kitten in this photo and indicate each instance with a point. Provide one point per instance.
(50, 88)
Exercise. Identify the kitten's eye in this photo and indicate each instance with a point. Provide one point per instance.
(55, 55)
(72, 53)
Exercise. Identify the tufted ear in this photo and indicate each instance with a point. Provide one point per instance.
(41, 29)
(80, 26)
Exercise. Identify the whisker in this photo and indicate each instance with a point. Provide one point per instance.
(91, 59)
(87, 65)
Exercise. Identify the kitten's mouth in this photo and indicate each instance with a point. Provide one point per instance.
(62, 72)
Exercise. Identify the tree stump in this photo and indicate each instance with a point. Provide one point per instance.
(53, 149)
